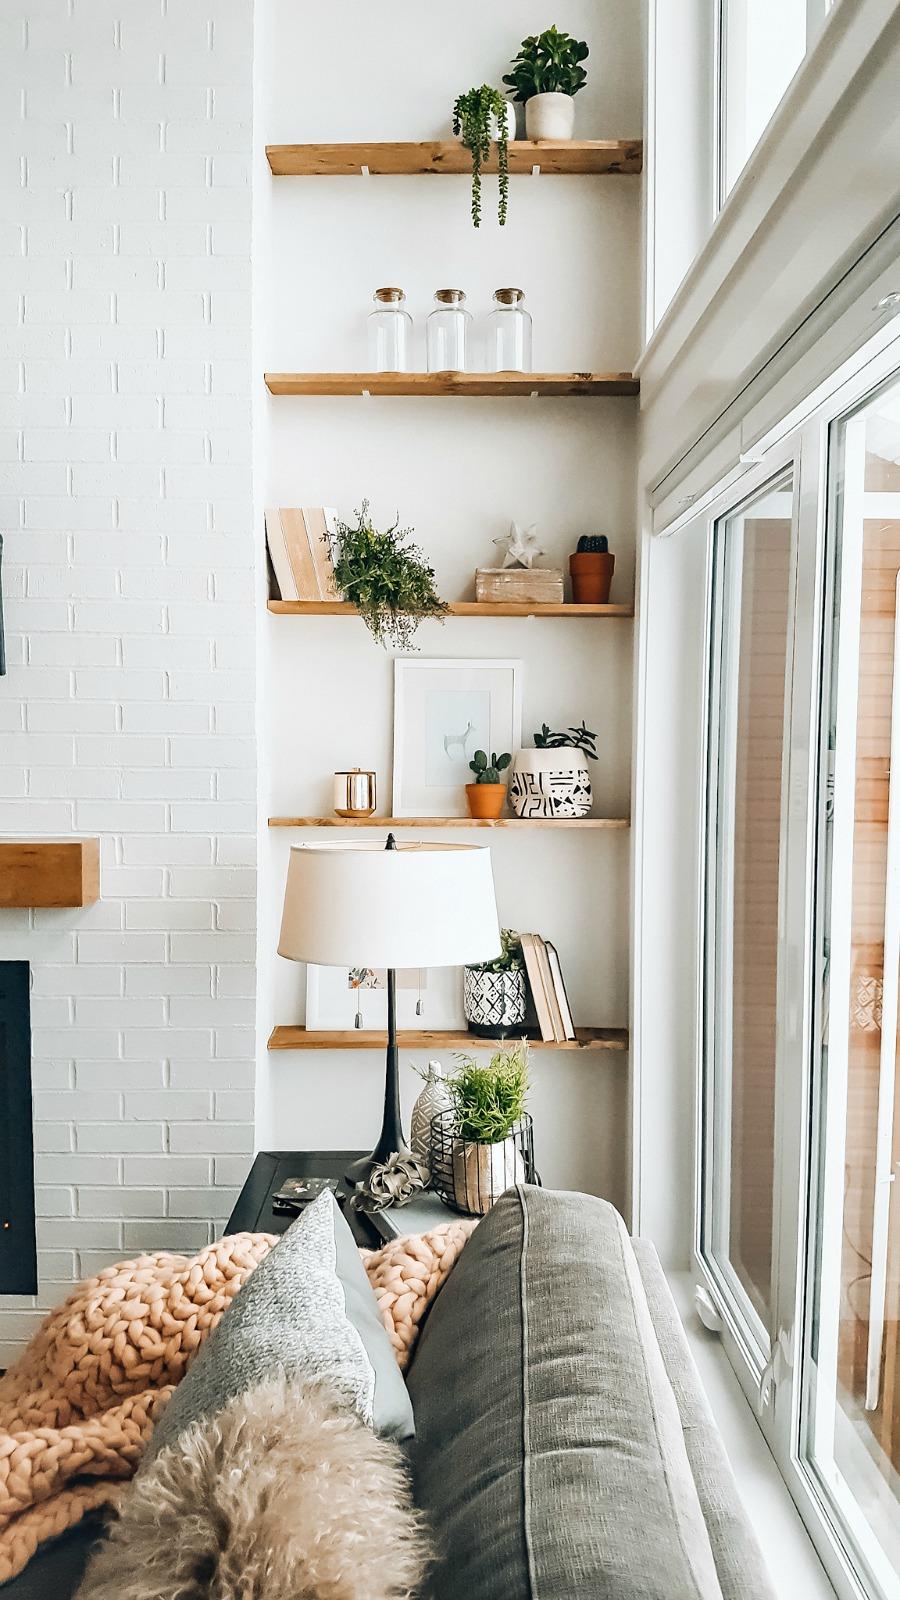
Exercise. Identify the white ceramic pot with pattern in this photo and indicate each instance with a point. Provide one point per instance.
(434, 1097)
(551, 783)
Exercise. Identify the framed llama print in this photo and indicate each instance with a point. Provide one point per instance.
(443, 712)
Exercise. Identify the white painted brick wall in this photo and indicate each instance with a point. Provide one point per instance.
(128, 710)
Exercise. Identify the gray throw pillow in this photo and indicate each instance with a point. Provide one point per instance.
(549, 1455)
(307, 1311)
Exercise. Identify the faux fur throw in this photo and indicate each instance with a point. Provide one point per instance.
(78, 1408)
(285, 1493)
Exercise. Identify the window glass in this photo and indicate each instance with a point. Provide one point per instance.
(851, 1419)
(747, 738)
(762, 43)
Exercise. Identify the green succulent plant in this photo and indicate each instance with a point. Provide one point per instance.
(386, 577)
(472, 114)
(510, 958)
(574, 738)
(489, 771)
(489, 1101)
(548, 63)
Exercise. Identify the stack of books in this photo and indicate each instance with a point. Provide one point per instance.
(548, 989)
(300, 543)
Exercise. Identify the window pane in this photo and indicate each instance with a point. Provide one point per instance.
(763, 43)
(753, 567)
(852, 1411)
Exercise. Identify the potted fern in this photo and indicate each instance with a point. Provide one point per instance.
(547, 74)
(490, 1130)
(482, 117)
(386, 577)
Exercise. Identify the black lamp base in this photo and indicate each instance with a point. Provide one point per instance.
(392, 1137)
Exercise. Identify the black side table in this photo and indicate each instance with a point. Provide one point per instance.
(253, 1211)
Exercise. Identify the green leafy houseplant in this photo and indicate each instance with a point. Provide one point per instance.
(548, 63)
(510, 958)
(472, 116)
(574, 739)
(386, 577)
(489, 771)
(489, 1101)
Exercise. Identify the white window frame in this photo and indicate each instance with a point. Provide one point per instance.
(776, 1390)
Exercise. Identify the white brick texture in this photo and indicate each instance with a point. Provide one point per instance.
(125, 500)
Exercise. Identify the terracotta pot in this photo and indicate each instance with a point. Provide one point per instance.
(592, 573)
(485, 799)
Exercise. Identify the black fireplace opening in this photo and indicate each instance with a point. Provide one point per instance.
(18, 1250)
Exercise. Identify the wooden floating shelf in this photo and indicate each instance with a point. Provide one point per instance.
(483, 384)
(50, 873)
(458, 608)
(565, 158)
(352, 1039)
(449, 822)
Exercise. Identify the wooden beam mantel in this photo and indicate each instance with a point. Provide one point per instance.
(49, 872)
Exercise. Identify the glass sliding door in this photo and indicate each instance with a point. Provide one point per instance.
(850, 1417)
(753, 588)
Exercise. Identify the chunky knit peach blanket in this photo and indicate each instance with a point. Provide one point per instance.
(78, 1408)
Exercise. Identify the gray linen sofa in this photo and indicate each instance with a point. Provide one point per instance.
(564, 1448)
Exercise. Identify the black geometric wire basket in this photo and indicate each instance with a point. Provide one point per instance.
(470, 1176)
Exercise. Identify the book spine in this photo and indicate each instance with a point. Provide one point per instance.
(538, 991)
(320, 546)
(296, 541)
(281, 561)
(559, 1032)
(559, 984)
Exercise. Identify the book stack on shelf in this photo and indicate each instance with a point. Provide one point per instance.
(548, 989)
(299, 541)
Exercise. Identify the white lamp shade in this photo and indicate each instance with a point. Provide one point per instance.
(360, 905)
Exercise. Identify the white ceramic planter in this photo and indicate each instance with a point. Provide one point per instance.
(551, 783)
(434, 1097)
(482, 1172)
(494, 1002)
(550, 116)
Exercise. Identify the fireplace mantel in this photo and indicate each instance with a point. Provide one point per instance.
(49, 872)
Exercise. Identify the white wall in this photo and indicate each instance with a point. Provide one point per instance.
(458, 471)
(128, 710)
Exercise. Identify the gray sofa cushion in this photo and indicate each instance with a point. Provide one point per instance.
(549, 1454)
(739, 1562)
(309, 1311)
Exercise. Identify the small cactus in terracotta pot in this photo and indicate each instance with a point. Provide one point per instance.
(487, 794)
(591, 569)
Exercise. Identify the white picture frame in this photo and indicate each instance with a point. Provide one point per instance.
(334, 1000)
(444, 710)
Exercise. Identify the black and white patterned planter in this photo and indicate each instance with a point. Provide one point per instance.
(494, 1002)
(551, 783)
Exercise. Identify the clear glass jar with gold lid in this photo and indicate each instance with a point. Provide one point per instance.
(447, 332)
(509, 333)
(390, 332)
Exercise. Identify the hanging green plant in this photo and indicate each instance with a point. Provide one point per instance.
(386, 578)
(474, 115)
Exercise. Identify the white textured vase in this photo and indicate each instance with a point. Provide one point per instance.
(482, 1172)
(550, 116)
(434, 1097)
(509, 117)
(551, 783)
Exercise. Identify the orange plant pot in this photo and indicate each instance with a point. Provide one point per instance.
(592, 573)
(485, 799)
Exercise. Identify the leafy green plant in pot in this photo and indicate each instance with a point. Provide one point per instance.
(482, 117)
(386, 577)
(591, 569)
(547, 74)
(554, 779)
(495, 993)
(491, 1134)
(488, 792)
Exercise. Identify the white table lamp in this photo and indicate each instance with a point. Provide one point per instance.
(408, 905)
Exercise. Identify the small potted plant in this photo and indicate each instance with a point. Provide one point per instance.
(547, 74)
(489, 1130)
(554, 779)
(495, 993)
(386, 578)
(488, 792)
(482, 117)
(591, 570)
